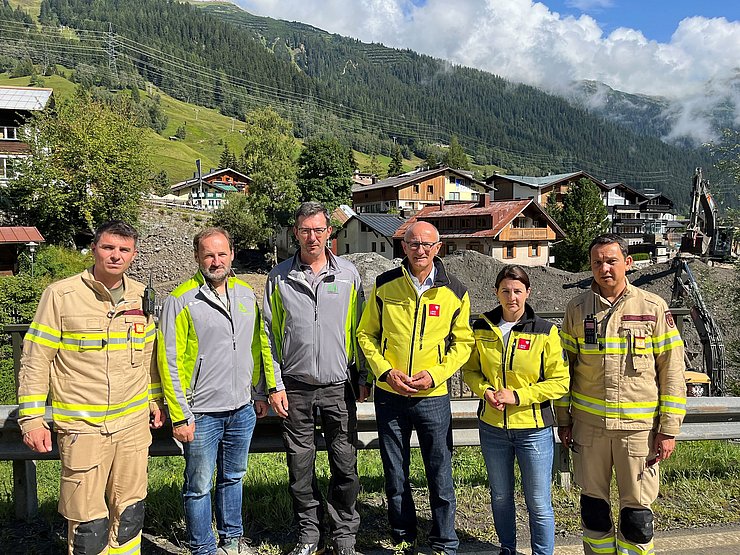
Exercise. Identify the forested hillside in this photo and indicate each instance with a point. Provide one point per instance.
(365, 94)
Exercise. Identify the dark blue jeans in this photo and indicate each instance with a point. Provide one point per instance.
(431, 417)
(222, 442)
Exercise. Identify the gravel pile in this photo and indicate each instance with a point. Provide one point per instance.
(166, 249)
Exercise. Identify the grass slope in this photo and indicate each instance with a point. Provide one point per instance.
(207, 131)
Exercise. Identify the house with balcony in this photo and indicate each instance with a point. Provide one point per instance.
(410, 192)
(512, 231)
(17, 105)
(209, 191)
(511, 187)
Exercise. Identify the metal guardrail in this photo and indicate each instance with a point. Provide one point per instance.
(707, 418)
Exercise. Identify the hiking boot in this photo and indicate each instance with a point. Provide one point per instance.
(307, 549)
(405, 548)
(235, 546)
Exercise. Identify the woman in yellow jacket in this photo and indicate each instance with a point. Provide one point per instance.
(517, 368)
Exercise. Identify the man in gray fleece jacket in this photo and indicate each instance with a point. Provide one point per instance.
(313, 303)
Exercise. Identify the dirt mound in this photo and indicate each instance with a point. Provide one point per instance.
(165, 249)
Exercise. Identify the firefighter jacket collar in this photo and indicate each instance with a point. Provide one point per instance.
(88, 278)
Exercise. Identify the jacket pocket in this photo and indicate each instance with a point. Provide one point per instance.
(81, 333)
(639, 349)
(136, 337)
(80, 455)
(190, 392)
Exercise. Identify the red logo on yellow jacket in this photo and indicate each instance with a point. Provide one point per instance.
(433, 310)
(524, 344)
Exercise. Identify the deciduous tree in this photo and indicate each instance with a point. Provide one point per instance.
(88, 165)
(582, 217)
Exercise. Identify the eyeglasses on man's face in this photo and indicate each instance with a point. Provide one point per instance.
(426, 245)
(306, 231)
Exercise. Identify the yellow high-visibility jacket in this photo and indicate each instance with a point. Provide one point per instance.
(92, 358)
(531, 364)
(411, 333)
(633, 377)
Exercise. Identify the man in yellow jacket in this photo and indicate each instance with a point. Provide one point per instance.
(89, 349)
(415, 333)
(627, 399)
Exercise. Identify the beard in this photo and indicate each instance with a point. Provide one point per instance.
(216, 276)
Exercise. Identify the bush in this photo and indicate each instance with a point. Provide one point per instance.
(54, 263)
(19, 297)
(641, 256)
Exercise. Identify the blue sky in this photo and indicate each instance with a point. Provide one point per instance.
(657, 19)
(685, 51)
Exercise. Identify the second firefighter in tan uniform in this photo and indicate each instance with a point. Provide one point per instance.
(89, 348)
(626, 403)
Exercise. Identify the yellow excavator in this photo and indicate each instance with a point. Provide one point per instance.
(706, 240)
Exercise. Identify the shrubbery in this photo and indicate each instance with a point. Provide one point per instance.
(19, 296)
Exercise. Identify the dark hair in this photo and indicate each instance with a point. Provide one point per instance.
(117, 227)
(311, 208)
(512, 271)
(609, 239)
(208, 232)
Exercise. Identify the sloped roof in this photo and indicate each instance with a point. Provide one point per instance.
(194, 180)
(24, 98)
(385, 224)
(546, 180)
(16, 235)
(502, 212)
(342, 213)
(413, 177)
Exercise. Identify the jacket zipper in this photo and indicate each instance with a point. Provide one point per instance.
(194, 381)
(413, 336)
(423, 325)
(503, 370)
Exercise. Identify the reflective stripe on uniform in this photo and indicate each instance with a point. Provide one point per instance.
(612, 409)
(605, 545)
(134, 546)
(672, 405)
(626, 548)
(31, 405)
(666, 342)
(569, 342)
(155, 391)
(43, 335)
(95, 414)
(564, 401)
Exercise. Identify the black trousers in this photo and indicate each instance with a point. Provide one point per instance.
(333, 407)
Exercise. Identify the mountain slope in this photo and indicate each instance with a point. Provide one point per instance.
(366, 94)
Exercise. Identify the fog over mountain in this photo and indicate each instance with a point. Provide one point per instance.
(693, 77)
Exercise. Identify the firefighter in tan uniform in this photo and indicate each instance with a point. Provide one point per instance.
(89, 349)
(626, 403)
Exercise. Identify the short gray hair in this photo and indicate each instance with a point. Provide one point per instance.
(311, 208)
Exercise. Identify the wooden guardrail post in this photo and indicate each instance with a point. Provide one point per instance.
(24, 472)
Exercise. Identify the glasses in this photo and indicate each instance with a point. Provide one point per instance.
(306, 231)
(426, 245)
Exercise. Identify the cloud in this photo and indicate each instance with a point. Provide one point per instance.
(526, 42)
